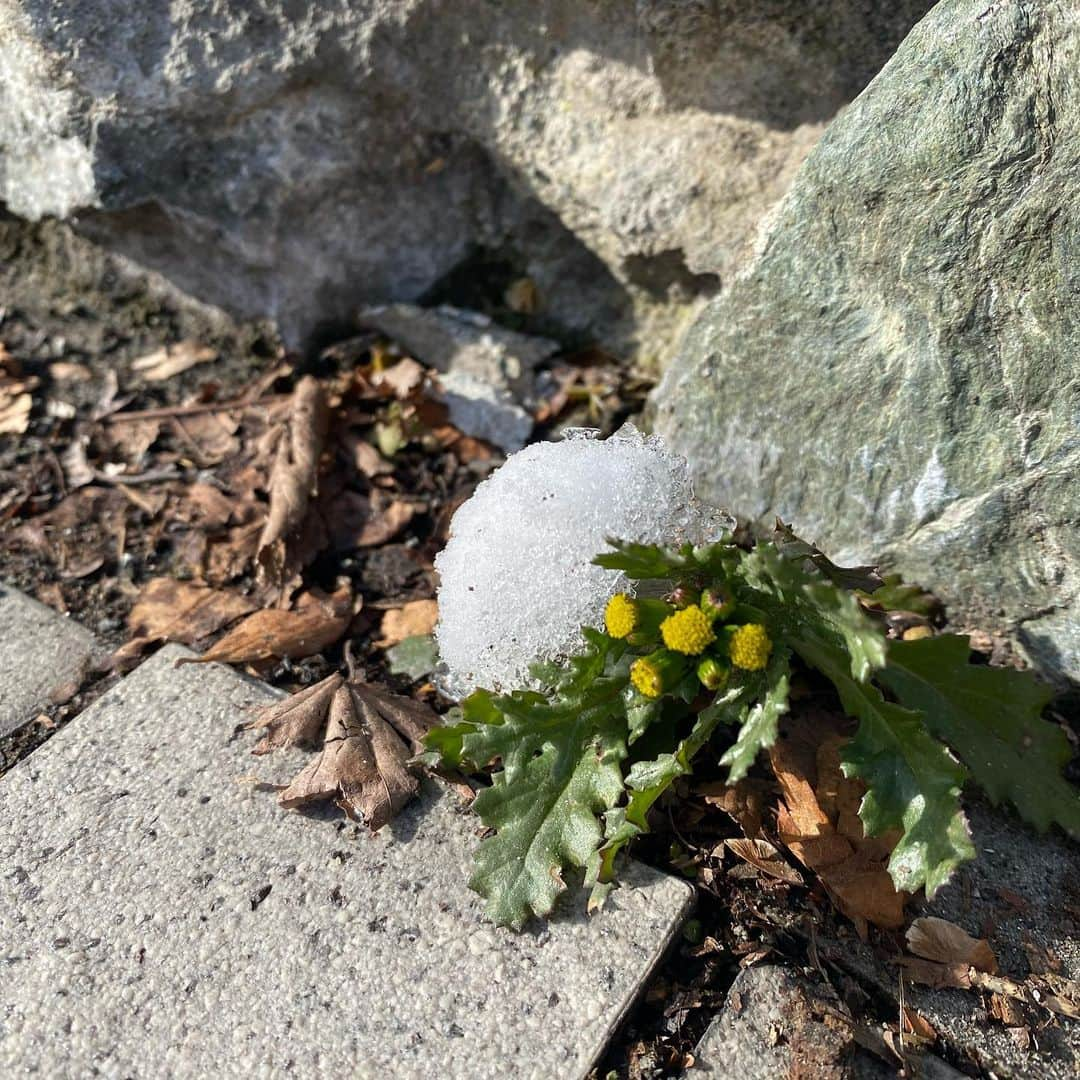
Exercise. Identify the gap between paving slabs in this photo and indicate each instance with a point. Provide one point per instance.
(161, 918)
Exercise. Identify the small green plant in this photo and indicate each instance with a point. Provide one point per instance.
(705, 646)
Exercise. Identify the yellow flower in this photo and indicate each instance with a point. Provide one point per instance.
(621, 616)
(647, 678)
(749, 647)
(688, 631)
(657, 673)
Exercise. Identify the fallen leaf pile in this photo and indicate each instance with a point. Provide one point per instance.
(818, 821)
(249, 512)
(816, 824)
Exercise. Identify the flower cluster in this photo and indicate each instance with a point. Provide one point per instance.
(686, 635)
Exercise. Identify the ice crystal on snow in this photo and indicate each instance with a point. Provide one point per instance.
(517, 579)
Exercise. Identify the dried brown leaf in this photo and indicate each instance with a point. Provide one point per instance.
(416, 618)
(293, 478)
(744, 802)
(15, 413)
(410, 718)
(402, 378)
(367, 460)
(298, 720)
(170, 610)
(317, 622)
(207, 505)
(946, 943)
(913, 1023)
(209, 437)
(363, 766)
(367, 520)
(229, 556)
(766, 858)
(171, 360)
(850, 865)
(1005, 1010)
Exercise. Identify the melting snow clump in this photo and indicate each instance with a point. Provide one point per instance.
(517, 581)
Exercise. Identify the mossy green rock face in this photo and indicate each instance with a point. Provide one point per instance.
(897, 370)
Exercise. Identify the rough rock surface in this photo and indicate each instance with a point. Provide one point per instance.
(774, 1023)
(897, 371)
(158, 918)
(297, 160)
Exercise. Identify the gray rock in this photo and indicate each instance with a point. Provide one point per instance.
(897, 370)
(298, 160)
(775, 1023)
(40, 650)
(487, 370)
(161, 916)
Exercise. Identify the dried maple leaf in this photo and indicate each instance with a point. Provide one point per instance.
(850, 865)
(316, 622)
(363, 766)
(298, 720)
(293, 477)
(946, 943)
(414, 619)
(171, 360)
(411, 719)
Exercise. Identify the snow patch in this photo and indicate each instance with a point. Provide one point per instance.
(517, 579)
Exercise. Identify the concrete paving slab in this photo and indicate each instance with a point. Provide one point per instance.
(775, 1023)
(40, 649)
(158, 918)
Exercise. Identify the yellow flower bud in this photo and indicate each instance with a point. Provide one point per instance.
(749, 647)
(711, 673)
(659, 672)
(688, 631)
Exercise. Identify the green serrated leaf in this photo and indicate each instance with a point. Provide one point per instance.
(546, 819)
(913, 784)
(413, 657)
(759, 729)
(896, 595)
(865, 578)
(641, 712)
(643, 562)
(807, 609)
(560, 756)
(992, 718)
(648, 780)
(649, 562)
